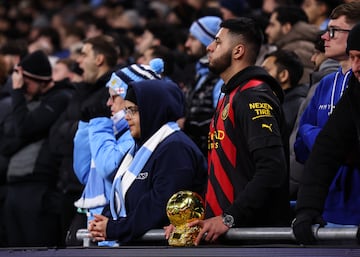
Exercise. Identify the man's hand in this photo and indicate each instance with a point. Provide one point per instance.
(97, 227)
(302, 226)
(211, 229)
(17, 78)
(168, 230)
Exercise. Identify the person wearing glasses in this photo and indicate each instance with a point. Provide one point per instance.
(101, 143)
(163, 161)
(337, 146)
(337, 207)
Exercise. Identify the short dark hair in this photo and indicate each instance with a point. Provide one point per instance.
(290, 61)
(290, 14)
(104, 45)
(351, 11)
(250, 33)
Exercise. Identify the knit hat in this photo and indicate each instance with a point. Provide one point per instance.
(237, 7)
(353, 40)
(205, 29)
(37, 66)
(120, 79)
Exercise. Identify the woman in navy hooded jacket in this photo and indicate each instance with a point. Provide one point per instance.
(162, 162)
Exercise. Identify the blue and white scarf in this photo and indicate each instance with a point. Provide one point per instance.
(132, 165)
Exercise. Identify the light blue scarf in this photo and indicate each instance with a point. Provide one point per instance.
(132, 165)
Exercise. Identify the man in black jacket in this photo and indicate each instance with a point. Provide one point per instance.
(248, 175)
(36, 104)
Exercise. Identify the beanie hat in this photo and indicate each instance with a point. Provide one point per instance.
(120, 79)
(36, 66)
(353, 40)
(205, 29)
(237, 7)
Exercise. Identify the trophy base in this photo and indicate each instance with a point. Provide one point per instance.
(184, 235)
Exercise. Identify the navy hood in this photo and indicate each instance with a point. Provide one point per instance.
(159, 102)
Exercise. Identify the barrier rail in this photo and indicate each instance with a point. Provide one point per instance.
(237, 234)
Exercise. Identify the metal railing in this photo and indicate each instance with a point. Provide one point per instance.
(238, 234)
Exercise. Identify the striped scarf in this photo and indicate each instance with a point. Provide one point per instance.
(132, 165)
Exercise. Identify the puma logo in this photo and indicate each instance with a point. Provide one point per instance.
(267, 126)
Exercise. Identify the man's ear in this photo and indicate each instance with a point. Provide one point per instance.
(238, 51)
(100, 59)
(283, 76)
(286, 28)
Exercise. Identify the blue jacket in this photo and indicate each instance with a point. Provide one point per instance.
(176, 164)
(97, 155)
(314, 118)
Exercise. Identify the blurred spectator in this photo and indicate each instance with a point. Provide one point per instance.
(67, 68)
(98, 59)
(318, 11)
(32, 172)
(289, 29)
(203, 94)
(287, 69)
(233, 8)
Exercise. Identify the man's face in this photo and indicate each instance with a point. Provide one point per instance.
(355, 62)
(335, 47)
(144, 41)
(220, 52)
(87, 62)
(32, 87)
(194, 47)
(270, 66)
(313, 10)
(274, 30)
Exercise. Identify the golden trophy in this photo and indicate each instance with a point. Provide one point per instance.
(184, 207)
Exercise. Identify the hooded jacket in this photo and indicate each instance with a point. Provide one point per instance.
(248, 153)
(175, 164)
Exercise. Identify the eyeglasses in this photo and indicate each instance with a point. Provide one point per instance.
(131, 110)
(332, 30)
(113, 97)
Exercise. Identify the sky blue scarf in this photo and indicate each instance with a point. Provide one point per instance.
(132, 165)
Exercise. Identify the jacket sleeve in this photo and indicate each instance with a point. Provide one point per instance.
(104, 145)
(170, 175)
(308, 129)
(36, 122)
(82, 154)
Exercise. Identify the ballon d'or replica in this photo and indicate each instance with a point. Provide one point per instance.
(184, 207)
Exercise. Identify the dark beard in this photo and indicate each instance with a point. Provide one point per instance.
(219, 65)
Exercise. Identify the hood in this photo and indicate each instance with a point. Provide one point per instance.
(253, 72)
(301, 31)
(159, 102)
